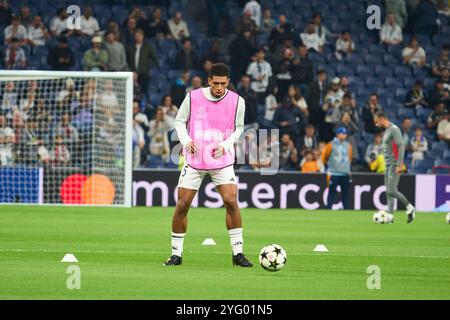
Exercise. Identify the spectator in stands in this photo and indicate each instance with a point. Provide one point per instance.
(413, 54)
(260, 72)
(348, 105)
(178, 89)
(320, 29)
(67, 132)
(246, 23)
(16, 31)
(374, 149)
(241, 51)
(338, 158)
(68, 98)
(415, 97)
(15, 57)
(271, 104)
(437, 94)
(419, 145)
(443, 128)
(113, 27)
(61, 56)
(59, 155)
(333, 100)
(297, 99)
(196, 83)
(283, 75)
(301, 70)
(158, 133)
(371, 108)
(436, 116)
(157, 27)
(207, 64)
(178, 27)
(89, 24)
(96, 58)
(267, 23)
(58, 24)
(214, 53)
(255, 9)
(288, 118)
(406, 133)
(344, 45)
(5, 13)
(141, 58)
(187, 58)
(311, 39)
(7, 139)
(141, 18)
(251, 103)
(27, 102)
(281, 32)
(107, 97)
(423, 19)
(347, 122)
(391, 32)
(445, 76)
(10, 99)
(25, 16)
(397, 8)
(117, 57)
(442, 62)
(140, 121)
(37, 32)
(288, 153)
(170, 110)
(309, 164)
(316, 97)
(309, 140)
(127, 34)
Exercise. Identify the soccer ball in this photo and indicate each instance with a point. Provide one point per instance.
(382, 217)
(448, 218)
(272, 257)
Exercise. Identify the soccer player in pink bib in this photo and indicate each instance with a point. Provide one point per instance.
(209, 123)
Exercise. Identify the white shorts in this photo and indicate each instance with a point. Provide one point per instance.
(191, 178)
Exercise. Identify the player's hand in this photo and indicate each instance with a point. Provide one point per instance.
(191, 147)
(399, 170)
(218, 152)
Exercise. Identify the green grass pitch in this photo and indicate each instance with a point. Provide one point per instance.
(120, 253)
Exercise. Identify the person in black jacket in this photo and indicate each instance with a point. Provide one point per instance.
(241, 51)
(61, 57)
(187, 58)
(301, 70)
(316, 97)
(251, 103)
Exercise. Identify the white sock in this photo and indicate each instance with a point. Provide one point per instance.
(237, 241)
(409, 207)
(177, 243)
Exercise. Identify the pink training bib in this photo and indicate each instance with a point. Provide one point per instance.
(211, 122)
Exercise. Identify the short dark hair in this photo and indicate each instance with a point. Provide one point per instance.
(219, 70)
(382, 114)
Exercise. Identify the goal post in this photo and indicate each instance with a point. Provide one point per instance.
(66, 138)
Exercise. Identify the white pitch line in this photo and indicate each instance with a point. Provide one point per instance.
(216, 253)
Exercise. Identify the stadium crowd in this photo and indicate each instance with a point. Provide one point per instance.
(297, 71)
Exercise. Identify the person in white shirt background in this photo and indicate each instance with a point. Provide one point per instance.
(311, 39)
(7, 139)
(37, 32)
(260, 72)
(391, 33)
(89, 24)
(344, 45)
(413, 54)
(178, 27)
(58, 24)
(255, 8)
(15, 30)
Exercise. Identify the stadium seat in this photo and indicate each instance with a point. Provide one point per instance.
(406, 113)
(439, 145)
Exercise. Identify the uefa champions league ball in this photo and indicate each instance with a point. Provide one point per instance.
(272, 257)
(382, 217)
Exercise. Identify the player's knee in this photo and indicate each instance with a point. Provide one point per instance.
(230, 203)
(182, 206)
(391, 192)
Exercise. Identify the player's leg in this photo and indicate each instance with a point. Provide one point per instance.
(332, 188)
(393, 193)
(225, 182)
(188, 185)
(345, 191)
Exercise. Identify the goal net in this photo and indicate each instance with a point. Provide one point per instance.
(65, 138)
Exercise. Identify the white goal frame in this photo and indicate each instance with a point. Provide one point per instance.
(21, 75)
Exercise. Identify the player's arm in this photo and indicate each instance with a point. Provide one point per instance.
(229, 143)
(398, 138)
(180, 124)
